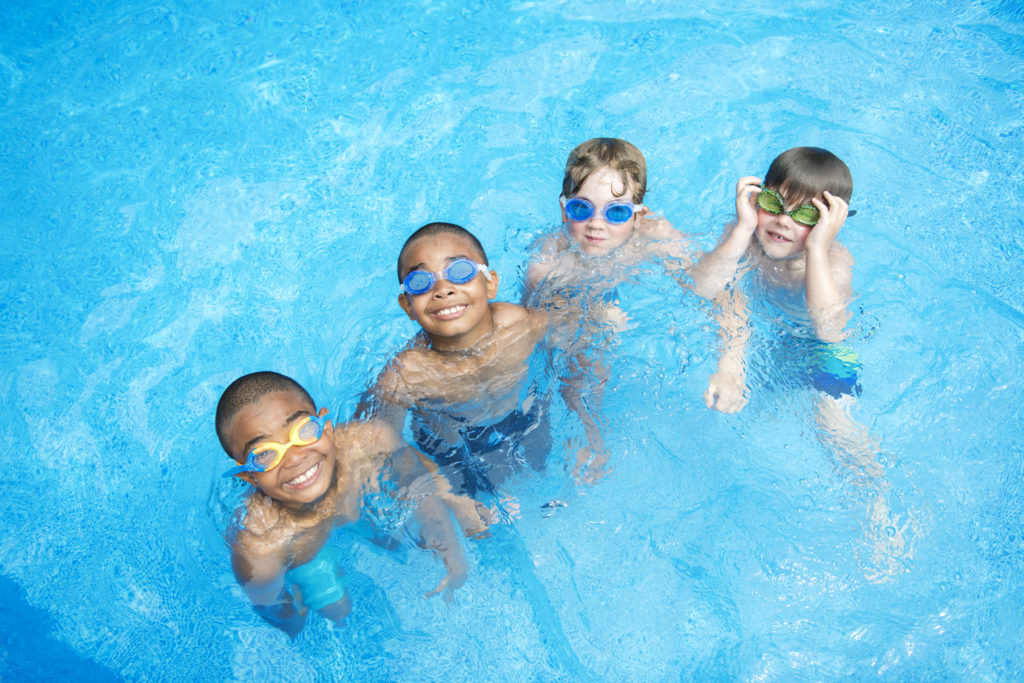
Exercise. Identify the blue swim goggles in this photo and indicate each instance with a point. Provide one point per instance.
(458, 272)
(269, 454)
(579, 209)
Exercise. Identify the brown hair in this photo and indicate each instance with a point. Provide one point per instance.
(802, 173)
(614, 153)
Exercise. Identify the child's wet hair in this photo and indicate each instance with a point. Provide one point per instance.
(249, 389)
(431, 229)
(616, 154)
(802, 173)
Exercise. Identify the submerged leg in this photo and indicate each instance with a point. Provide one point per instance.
(889, 534)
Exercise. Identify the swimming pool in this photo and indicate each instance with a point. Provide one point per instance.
(190, 193)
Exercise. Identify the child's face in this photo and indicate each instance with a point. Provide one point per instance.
(454, 316)
(306, 472)
(596, 235)
(780, 236)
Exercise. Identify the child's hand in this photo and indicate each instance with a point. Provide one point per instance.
(456, 577)
(476, 524)
(726, 392)
(746, 203)
(591, 465)
(833, 216)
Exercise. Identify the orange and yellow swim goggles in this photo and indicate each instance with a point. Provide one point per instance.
(269, 454)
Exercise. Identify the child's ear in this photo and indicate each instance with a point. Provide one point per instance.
(492, 286)
(403, 301)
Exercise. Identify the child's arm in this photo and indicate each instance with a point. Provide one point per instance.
(829, 269)
(582, 390)
(726, 390)
(716, 268)
(468, 513)
(437, 534)
(543, 259)
(262, 579)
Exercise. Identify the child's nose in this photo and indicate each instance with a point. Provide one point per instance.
(442, 288)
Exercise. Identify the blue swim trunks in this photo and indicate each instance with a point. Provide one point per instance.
(318, 579)
(793, 362)
(488, 454)
(835, 370)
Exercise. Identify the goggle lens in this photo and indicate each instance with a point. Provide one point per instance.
(460, 271)
(265, 458)
(579, 209)
(618, 213)
(808, 215)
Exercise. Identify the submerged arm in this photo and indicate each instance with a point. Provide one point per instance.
(726, 390)
(262, 579)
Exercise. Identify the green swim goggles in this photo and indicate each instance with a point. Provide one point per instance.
(805, 214)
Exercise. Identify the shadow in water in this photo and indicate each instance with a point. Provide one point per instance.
(28, 650)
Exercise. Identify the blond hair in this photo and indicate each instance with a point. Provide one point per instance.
(614, 153)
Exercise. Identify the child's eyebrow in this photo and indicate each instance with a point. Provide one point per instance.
(260, 438)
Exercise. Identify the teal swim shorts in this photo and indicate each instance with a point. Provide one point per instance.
(835, 369)
(318, 579)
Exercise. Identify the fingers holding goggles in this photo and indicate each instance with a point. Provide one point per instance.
(805, 214)
(458, 272)
(269, 455)
(579, 209)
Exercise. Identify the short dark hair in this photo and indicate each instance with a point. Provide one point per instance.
(431, 229)
(620, 156)
(802, 173)
(249, 389)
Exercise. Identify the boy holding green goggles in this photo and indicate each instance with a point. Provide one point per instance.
(785, 239)
(785, 234)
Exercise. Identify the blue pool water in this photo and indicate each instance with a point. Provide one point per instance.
(191, 192)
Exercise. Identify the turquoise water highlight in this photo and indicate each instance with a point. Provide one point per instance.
(190, 193)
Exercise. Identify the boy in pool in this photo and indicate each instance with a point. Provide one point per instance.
(797, 261)
(608, 232)
(785, 236)
(606, 225)
(309, 477)
(464, 379)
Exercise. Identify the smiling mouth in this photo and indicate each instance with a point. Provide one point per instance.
(449, 313)
(776, 237)
(306, 479)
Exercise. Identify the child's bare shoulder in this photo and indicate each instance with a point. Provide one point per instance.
(365, 436)
(508, 315)
(262, 531)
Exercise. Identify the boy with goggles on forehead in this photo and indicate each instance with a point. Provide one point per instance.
(785, 238)
(310, 477)
(785, 234)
